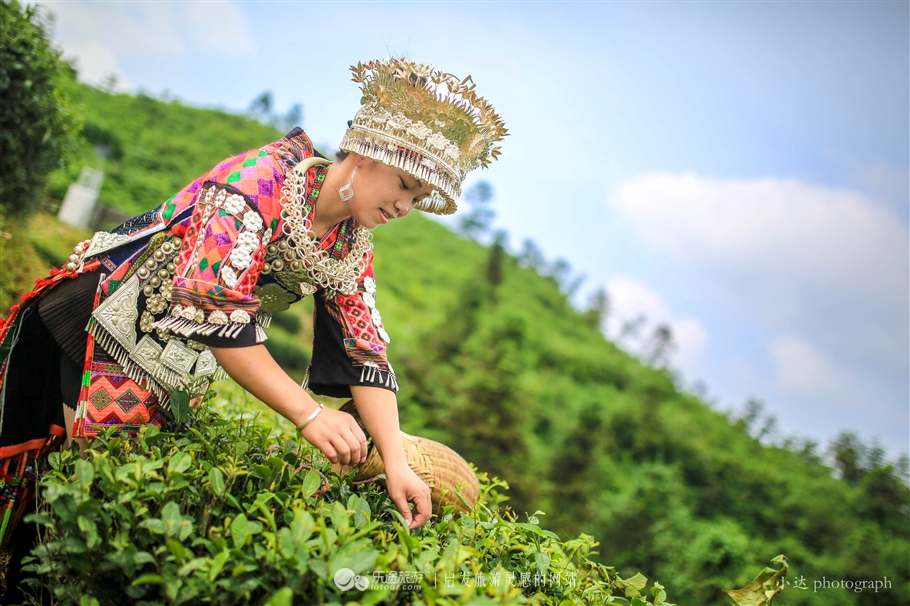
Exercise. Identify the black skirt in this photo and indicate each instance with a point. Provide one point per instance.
(46, 362)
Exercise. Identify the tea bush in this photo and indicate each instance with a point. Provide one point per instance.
(219, 509)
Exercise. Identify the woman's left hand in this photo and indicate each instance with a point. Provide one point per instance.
(405, 487)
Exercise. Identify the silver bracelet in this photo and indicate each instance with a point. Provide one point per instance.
(312, 416)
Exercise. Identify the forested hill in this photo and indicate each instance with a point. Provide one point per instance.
(494, 361)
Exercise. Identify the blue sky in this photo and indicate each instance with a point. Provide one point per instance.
(738, 170)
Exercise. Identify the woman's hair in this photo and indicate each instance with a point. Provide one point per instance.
(340, 155)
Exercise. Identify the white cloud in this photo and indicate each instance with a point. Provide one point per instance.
(693, 343)
(886, 182)
(95, 62)
(630, 299)
(100, 35)
(220, 27)
(825, 263)
(807, 375)
(767, 227)
(802, 370)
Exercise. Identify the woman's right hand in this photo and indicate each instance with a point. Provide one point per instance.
(333, 432)
(338, 436)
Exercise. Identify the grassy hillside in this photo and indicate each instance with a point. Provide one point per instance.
(510, 375)
(495, 362)
(124, 136)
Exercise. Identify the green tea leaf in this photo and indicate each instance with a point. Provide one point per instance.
(180, 405)
(263, 472)
(193, 565)
(149, 578)
(763, 588)
(550, 534)
(639, 581)
(240, 530)
(282, 597)
(340, 520)
(658, 593)
(311, 483)
(179, 463)
(85, 472)
(286, 543)
(176, 549)
(543, 562)
(364, 560)
(632, 586)
(154, 525)
(303, 525)
(171, 513)
(362, 512)
(218, 563)
(88, 526)
(217, 480)
(530, 527)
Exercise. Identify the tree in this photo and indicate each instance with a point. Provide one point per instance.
(37, 128)
(576, 470)
(759, 425)
(849, 454)
(659, 347)
(531, 256)
(495, 261)
(262, 109)
(598, 309)
(561, 271)
(479, 217)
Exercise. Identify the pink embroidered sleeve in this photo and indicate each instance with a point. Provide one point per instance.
(234, 216)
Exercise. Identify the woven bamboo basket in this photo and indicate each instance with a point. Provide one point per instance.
(439, 466)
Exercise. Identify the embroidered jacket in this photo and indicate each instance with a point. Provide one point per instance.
(210, 266)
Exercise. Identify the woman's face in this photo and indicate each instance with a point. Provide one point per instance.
(382, 192)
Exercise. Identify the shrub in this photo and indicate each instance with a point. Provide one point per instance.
(215, 509)
(37, 129)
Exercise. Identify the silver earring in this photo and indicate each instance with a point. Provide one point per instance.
(347, 192)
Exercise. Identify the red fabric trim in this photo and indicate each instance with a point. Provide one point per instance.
(79, 418)
(36, 444)
(41, 284)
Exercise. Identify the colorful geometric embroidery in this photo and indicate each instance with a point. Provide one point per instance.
(257, 177)
(220, 262)
(111, 398)
(361, 341)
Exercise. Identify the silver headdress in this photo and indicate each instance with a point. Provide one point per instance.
(425, 122)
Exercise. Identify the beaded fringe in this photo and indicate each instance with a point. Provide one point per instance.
(131, 368)
(306, 379)
(373, 144)
(263, 320)
(370, 371)
(187, 328)
(163, 380)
